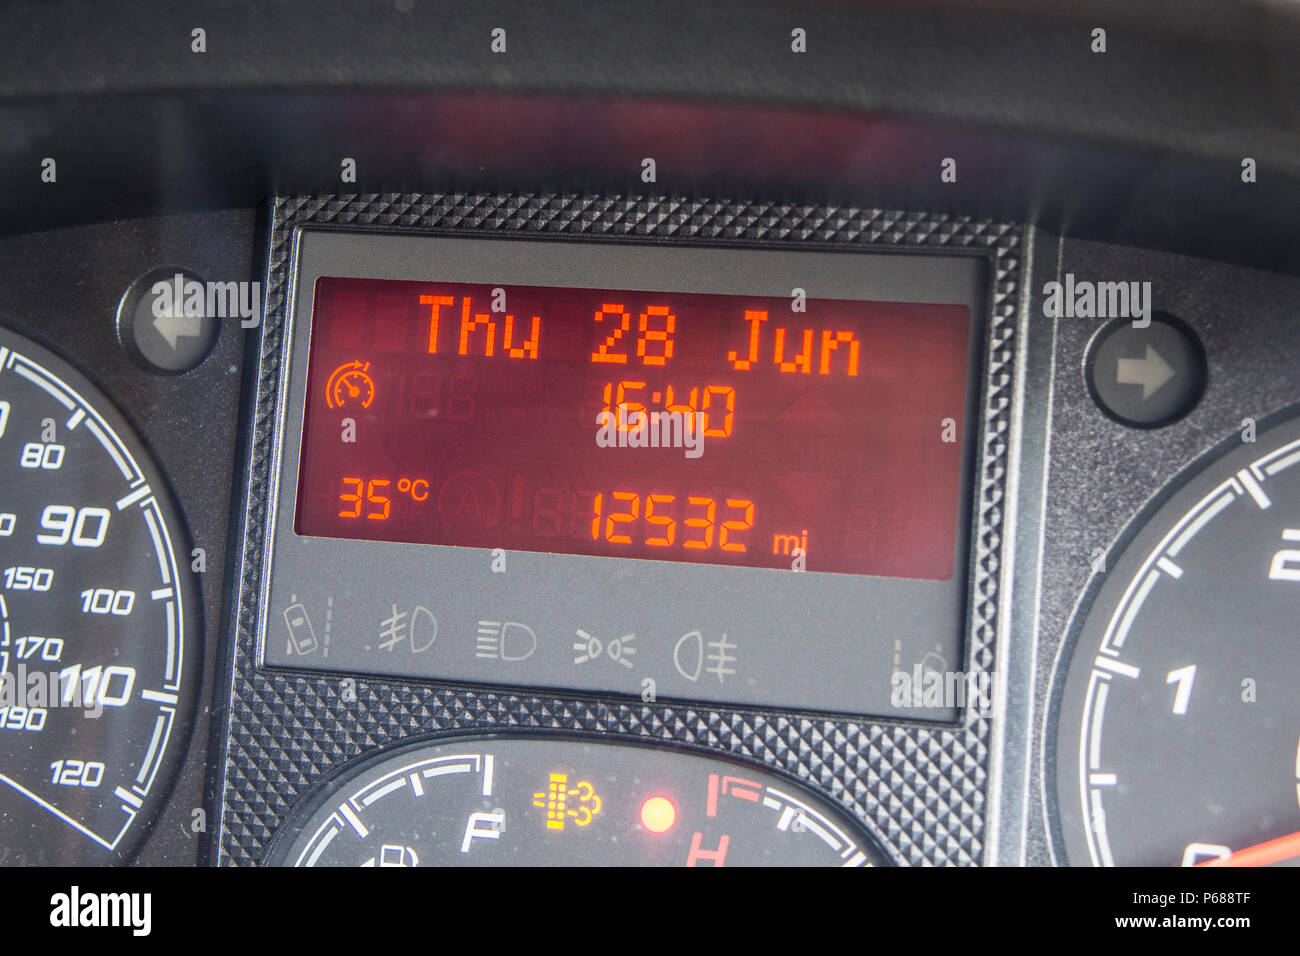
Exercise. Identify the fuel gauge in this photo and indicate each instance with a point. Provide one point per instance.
(549, 801)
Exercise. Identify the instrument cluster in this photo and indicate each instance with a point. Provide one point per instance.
(440, 542)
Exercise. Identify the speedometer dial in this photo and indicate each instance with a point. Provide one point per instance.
(98, 620)
(1178, 731)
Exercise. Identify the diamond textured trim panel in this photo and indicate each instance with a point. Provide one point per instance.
(920, 789)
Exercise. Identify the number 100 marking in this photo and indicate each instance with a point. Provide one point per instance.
(107, 601)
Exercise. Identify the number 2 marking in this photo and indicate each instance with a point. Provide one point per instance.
(1286, 563)
(603, 354)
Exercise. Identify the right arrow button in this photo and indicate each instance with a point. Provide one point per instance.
(1151, 372)
(1146, 377)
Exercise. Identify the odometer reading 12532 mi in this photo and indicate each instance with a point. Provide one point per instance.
(721, 429)
(98, 621)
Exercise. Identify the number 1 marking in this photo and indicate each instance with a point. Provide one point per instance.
(1183, 677)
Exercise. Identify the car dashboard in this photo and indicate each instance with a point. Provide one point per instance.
(765, 434)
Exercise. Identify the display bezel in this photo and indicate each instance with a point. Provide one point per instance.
(908, 608)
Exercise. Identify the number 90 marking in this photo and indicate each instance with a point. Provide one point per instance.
(74, 524)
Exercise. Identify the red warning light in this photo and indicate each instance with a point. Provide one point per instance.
(658, 814)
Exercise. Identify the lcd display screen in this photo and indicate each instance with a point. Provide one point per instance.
(821, 435)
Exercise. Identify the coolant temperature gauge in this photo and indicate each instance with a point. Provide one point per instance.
(550, 801)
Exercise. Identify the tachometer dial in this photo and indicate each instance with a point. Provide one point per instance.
(547, 801)
(99, 627)
(1178, 729)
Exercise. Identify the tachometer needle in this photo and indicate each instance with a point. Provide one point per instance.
(1261, 854)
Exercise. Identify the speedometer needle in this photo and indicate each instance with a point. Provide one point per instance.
(1261, 854)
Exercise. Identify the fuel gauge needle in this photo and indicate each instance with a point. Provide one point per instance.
(1261, 854)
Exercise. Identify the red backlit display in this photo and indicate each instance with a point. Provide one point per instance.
(819, 435)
